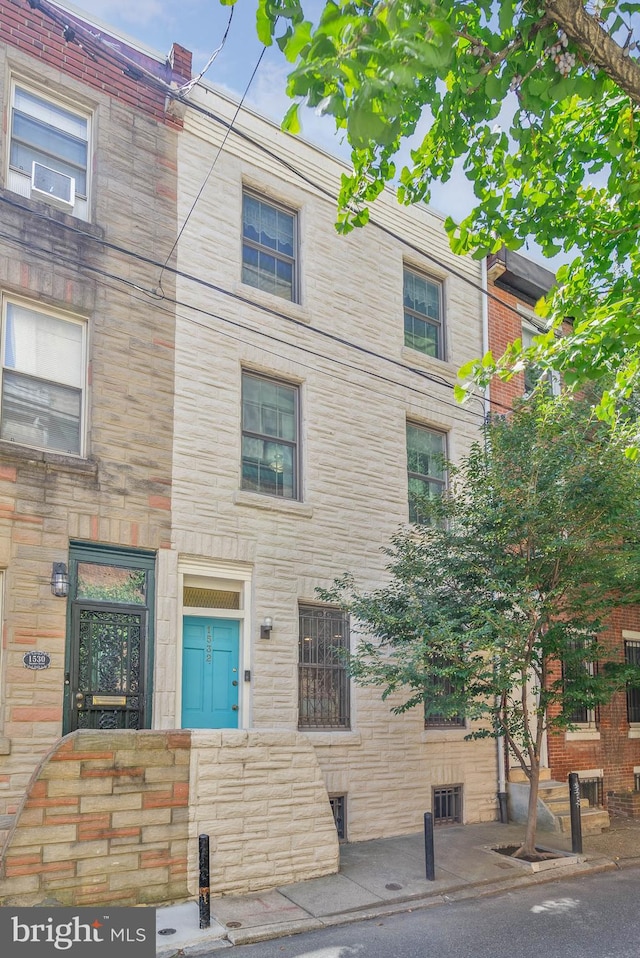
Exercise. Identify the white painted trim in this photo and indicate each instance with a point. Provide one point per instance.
(588, 772)
(630, 634)
(583, 735)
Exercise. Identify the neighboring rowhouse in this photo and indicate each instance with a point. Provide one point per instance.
(87, 196)
(604, 748)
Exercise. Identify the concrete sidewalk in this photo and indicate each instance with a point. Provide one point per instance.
(378, 878)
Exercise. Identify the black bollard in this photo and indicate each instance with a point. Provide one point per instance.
(204, 901)
(428, 847)
(576, 821)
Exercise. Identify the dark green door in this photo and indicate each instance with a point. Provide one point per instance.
(109, 639)
(107, 689)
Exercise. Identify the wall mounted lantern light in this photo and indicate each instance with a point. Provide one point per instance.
(265, 628)
(59, 580)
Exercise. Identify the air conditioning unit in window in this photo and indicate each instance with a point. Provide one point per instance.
(58, 188)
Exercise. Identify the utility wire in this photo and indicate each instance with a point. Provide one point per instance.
(187, 87)
(72, 262)
(211, 168)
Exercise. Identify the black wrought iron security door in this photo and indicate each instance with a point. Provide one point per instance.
(107, 682)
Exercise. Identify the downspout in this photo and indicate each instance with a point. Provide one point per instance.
(502, 774)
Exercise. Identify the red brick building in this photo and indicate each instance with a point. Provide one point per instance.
(605, 747)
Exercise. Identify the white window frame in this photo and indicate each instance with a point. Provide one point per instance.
(294, 260)
(438, 324)
(529, 329)
(65, 317)
(442, 482)
(19, 181)
(294, 445)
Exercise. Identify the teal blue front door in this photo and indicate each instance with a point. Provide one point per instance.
(210, 673)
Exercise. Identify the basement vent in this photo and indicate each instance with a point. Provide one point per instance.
(592, 791)
(210, 599)
(447, 805)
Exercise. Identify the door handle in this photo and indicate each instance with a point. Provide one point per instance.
(234, 708)
(235, 682)
(79, 699)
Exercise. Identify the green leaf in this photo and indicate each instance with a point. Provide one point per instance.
(291, 121)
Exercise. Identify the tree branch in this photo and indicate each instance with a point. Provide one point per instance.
(601, 49)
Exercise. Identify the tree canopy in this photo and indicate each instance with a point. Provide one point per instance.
(495, 605)
(538, 100)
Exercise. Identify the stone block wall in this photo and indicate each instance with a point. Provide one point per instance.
(113, 817)
(261, 798)
(105, 820)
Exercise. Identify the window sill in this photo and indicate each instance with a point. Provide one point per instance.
(634, 731)
(45, 210)
(414, 357)
(431, 735)
(254, 500)
(583, 735)
(49, 460)
(270, 301)
(325, 738)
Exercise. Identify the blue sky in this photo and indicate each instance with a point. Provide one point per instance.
(199, 26)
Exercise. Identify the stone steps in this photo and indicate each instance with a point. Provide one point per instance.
(555, 796)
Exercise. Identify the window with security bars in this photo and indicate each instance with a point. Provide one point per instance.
(323, 676)
(632, 657)
(573, 665)
(636, 781)
(438, 719)
(447, 805)
(592, 791)
(339, 808)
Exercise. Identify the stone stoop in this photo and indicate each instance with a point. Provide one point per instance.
(555, 796)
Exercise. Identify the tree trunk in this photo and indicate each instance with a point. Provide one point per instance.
(596, 43)
(528, 847)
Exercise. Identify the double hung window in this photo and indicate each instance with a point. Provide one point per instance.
(269, 247)
(423, 329)
(426, 451)
(56, 139)
(43, 379)
(270, 436)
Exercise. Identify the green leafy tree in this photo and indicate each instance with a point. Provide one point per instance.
(537, 100)
(494, 607)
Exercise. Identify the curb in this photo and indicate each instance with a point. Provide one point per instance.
(481, 889)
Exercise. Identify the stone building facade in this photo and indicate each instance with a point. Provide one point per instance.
(604, 748)
(204, 439)
(87, 190)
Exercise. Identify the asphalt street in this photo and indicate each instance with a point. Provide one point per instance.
(595, 916)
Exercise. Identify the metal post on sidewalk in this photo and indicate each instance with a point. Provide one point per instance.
(576, 821)
(204, 901)
(429, 856)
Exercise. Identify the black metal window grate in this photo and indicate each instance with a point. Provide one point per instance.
(636, 781)
(339, 808)
(323, 676)
(582, 714)
(438, 720)
(447, 805)
(632, 656)
(592, 791)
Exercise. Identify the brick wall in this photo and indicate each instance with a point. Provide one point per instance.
(626, 804)
(41, 37)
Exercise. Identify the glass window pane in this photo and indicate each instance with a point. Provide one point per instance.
(268, 264)
(105, 583)
(43, 346)
(39, 413)
(51, 113)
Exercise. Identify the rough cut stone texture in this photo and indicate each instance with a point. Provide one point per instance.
(266, 810)
(343, 344)
(79, 850)
(117, 494)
